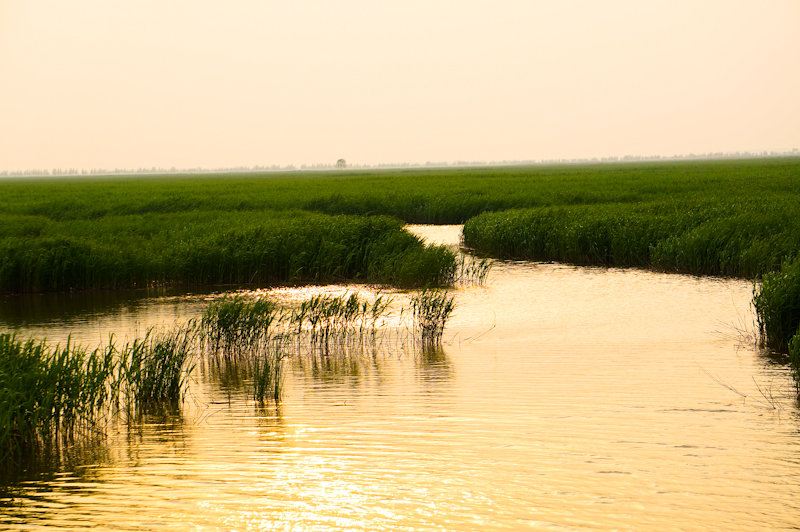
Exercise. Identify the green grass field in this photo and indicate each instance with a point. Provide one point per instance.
(731, 217)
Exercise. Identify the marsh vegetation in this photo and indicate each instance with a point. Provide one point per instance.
(53, 395)
(728, 218)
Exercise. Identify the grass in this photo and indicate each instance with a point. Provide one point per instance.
(154, 369)
(50, 395)
(730, 218)
(777, 305)
(341, 320)
(437, 196)
(217, 247)
(794, 360)
(130, 232)
(431, 310)
(729, 239)
(231, 326)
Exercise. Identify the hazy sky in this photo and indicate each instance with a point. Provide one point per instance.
(227, 83)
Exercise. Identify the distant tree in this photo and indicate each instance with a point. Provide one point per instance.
(341, 163)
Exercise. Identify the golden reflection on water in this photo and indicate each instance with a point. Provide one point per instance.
(562, 398)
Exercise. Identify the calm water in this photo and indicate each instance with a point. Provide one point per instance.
(564, 398)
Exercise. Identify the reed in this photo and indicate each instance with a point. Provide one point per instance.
(154, 369)
(794, 360)
(232, 326)
(711, 217)
(212, 247)
(431, 310)
(50, 395)
(268, 376)
(471, 270)
(342, 320)
(739, 238)
(777, 304)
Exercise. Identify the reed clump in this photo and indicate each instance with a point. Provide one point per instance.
(431, 310)
(777, 304)
(50, 395)
(154, 369)
(258, 334)
(471, 270)
(232, 326)
(342, 320)
(268, 375)
(794, 360)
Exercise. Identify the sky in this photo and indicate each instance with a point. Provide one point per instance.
(128, 84)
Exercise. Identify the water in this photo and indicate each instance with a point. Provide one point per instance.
(563, 398)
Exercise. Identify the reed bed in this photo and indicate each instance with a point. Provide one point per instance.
(154, 369)
(130, 232)
(415, 195)
(777, 304)
(214, 247)
(704, 239)
(50, 395)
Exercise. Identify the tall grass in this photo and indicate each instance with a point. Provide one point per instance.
(268, 376)
(471, 270)
(214, 247)
(126, 232)
(708, 239)
(50, 395)
(339, 320)
(431, 310)
(234, 325)
(777, 304)
(415, 195)
(154, 369)
(56, 395)
(794, 360)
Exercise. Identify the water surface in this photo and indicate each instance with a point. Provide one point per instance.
(563, 397)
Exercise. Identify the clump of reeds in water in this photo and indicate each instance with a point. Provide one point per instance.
(328, 321)
(154, 369)
(471, 270)
(232, 326)
(794, 361)
(431, 310)
(776, 301)
(256, 335)
(50, 395)
(267, 376)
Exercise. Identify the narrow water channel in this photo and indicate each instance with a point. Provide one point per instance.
(563, 397)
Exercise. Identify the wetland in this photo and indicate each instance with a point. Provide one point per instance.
(582, 393)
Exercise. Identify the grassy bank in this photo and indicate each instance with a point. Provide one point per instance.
(743, 238)
(740, 238)
(215, 247)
